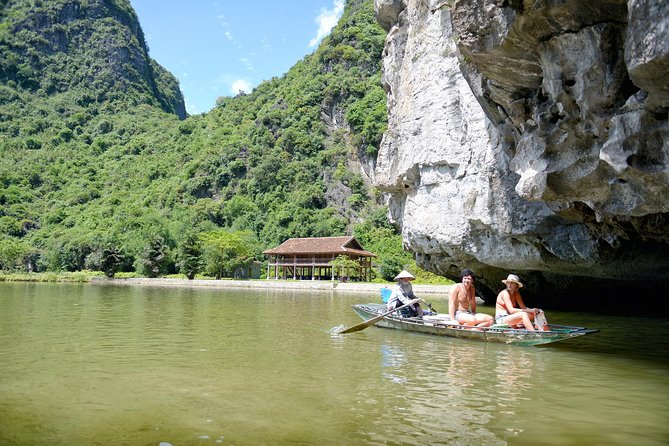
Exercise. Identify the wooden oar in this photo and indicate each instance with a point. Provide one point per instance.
(375, 319)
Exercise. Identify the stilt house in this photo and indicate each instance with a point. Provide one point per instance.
(309, 258)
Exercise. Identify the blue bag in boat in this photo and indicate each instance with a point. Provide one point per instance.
(385, 294)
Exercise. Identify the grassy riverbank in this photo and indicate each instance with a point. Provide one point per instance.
(74, 277)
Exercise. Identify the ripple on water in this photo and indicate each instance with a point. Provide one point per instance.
(336, 331)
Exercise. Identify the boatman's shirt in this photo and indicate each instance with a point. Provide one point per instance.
(402, 292)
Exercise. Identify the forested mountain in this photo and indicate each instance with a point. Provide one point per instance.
(89, 53)
(102, 170)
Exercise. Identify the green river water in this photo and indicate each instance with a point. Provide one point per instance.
(121, 365)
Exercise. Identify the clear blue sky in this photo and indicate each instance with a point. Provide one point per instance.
(220, 47)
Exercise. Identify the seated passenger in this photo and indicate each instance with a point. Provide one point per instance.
(403, 294)
(462, 303)
(510, 308)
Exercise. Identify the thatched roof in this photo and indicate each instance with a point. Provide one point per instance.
(320, 245)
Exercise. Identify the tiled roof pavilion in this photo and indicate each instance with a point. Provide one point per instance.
(309, 258)
(320, 245)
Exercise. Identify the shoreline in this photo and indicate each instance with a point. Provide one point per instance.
(307, 285)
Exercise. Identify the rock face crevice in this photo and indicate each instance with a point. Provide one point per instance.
(530, 137)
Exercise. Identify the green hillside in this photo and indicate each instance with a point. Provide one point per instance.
(101, 171)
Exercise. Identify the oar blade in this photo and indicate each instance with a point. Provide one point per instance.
(361, 325)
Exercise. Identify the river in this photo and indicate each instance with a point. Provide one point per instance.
(85, 364)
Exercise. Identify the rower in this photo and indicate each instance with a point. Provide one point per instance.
(402, 294)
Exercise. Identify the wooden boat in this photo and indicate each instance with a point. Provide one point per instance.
(440, 325)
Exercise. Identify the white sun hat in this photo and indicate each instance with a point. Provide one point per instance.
(513, 278)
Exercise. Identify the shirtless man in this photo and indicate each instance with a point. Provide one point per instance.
(462, 303)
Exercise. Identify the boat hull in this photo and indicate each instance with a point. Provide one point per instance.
(491, 334)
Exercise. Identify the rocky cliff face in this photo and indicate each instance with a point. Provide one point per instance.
(530, 137)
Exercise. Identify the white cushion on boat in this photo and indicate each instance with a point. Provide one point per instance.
(440, 319)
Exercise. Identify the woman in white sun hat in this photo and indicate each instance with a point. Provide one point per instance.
(402, 294)
(510, 308)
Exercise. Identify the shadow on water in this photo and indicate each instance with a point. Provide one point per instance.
(639, 338)
(628, 327)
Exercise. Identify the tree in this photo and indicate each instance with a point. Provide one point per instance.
(391, 266)
(225, 251)
(106, 258)
(189, 255)
(12, 253)
(153, 259)
(343, 266)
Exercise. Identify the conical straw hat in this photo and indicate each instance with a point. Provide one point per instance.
(404, 275)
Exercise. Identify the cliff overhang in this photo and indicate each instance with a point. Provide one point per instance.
(530, 137)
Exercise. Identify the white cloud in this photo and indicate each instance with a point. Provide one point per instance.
(326, 20)
(240, 85)
(232, 39)
(221, 18)
(247, 63)
(265, 45)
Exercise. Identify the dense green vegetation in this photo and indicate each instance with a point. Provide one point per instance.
(98, 171)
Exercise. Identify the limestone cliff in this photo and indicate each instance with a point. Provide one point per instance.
(532, 137)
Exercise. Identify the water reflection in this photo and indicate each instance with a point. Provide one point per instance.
(439, 395)
(393, 358)
(463, 392)
(514, 372)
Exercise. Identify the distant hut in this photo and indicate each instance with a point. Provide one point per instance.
(309, 258)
